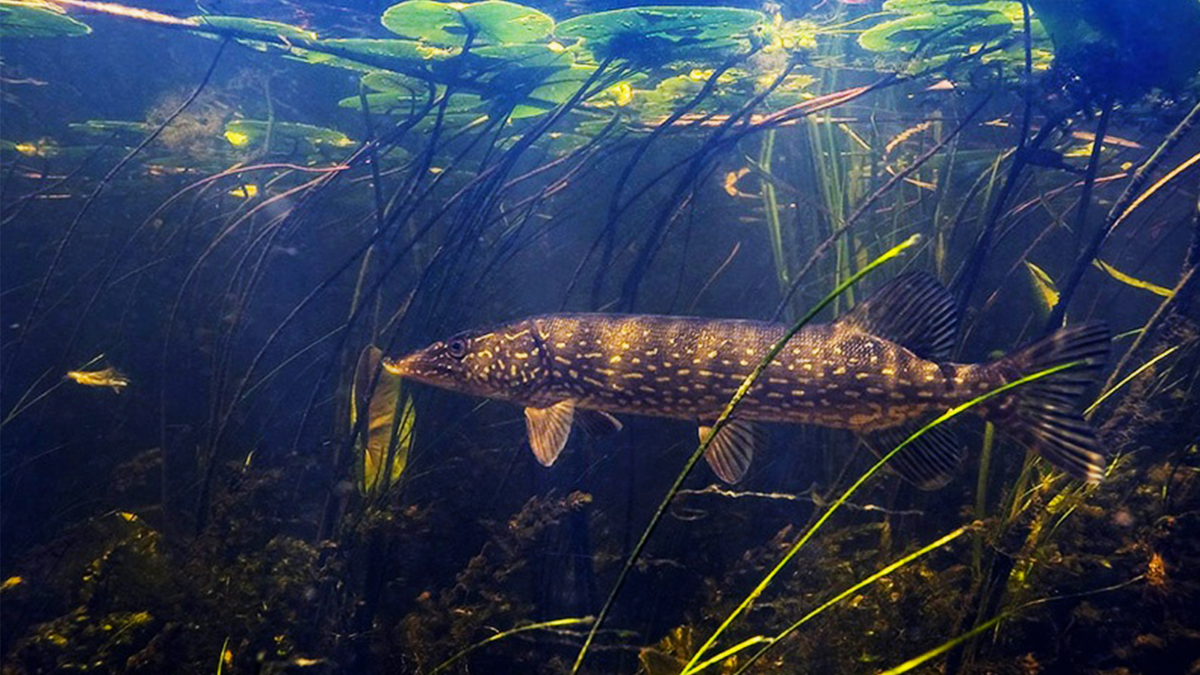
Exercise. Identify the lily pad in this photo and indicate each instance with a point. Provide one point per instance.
(122, 129)
(240, 26)
(370, 54)
(1010, 8)
(448, 24)
(384, 81)
(657, 35)
(247, 133)
(33, 18)
(395, 103)
(958, 29)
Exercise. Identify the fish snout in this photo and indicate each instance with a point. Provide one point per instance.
(400, 366)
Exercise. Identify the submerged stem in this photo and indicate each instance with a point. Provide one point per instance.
(721, 422)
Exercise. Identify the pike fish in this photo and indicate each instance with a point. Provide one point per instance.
(880, 370)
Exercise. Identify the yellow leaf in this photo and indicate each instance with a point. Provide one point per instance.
(1043, 286)
(108, 377)
(381, 405)
(245, 191)
(236, 138)
(622, 92)
(11, 582)
(1132, 281)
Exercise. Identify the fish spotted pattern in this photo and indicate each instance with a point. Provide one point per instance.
(878, 371)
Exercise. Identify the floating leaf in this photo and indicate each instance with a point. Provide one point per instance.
(384, 81)
(120, 129)
(242, 133)
(240, 26)
(659, 35)
(34, 19)
(958, 30)
(370, 54)
(381, 406)
(447, 24)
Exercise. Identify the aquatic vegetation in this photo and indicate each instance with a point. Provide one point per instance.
(37, 19)
(249, 213)
(388, 418)
(105, 377)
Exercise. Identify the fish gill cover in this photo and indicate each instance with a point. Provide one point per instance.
(239, 240)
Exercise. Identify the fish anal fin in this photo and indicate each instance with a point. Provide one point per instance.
(597, 422)
(730, 453)
(928, 462)
(913, 310)
(548, 429)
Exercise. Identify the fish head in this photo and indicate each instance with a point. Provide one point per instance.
(506, 363)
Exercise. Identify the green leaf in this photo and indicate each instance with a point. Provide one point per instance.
(659, 35)
(447, 24)
(396, 83)
(369, 54)
(242, 26)
(943, 31)
(33, 19)
(121, 129)
(245, 133)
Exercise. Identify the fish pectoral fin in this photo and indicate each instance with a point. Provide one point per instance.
(929, 462)
(913, 310)
(548, 429)
(731, 452)
(597, 422)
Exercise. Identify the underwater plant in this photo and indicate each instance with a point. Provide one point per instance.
(252, 214)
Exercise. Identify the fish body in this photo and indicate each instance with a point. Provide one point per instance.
(877, 371)
(834, 375)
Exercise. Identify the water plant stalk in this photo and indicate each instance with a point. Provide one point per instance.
(797, 545)
(719, 424)
(876, 576)
(1120, 210)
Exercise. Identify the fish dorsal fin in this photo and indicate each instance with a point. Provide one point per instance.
(549, 428)
(914, 310)
(929, 462)
(597, 422)
(731, 452)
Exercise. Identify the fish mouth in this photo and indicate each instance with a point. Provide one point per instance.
(401, 366)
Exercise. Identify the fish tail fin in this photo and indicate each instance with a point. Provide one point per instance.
(1045, 414)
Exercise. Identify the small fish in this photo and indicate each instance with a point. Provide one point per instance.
(880, 370)
(108, 377)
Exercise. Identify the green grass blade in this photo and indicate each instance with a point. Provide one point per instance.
(883, 572)
(544, 625)
(796, 547)
(722, 420)
(944, 647)
(1128, 378)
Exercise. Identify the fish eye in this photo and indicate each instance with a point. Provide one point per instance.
(457, 347)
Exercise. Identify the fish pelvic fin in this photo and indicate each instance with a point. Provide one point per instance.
(549, 428)
(1045, 414)
(913, 310)
(730, 453)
